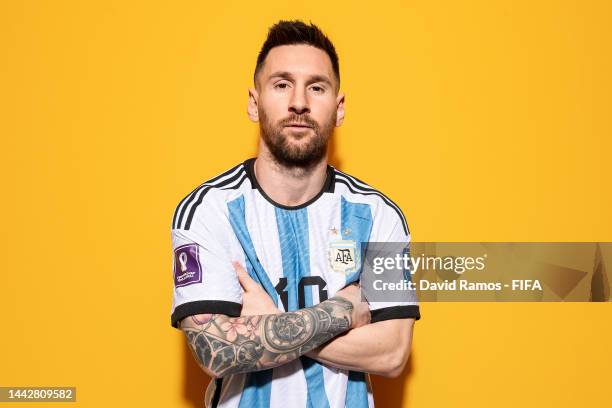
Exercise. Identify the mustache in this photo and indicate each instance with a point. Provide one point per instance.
(302, 120)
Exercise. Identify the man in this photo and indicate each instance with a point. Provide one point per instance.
(267, 309)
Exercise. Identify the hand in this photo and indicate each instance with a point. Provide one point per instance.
(361, 310)
(255, 300)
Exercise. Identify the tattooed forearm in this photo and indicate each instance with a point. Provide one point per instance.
(228, 345)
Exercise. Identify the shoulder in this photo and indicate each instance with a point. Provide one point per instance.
(355, 189)
(211, 195)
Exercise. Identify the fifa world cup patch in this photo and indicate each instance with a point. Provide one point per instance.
(343, 256)
(187, 268)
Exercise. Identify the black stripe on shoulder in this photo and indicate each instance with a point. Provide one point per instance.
(243, 177)
(231, 183)
(353, 178)
(364, 189)
(360, 185)
(179, 213)
(189, 196)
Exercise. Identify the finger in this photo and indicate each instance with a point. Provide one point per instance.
(243, 277)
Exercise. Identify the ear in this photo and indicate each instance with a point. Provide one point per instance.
(252, 105)
(339, 109)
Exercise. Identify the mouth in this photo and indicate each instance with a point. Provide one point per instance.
(298, 126)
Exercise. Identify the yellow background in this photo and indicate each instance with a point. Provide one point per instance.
(485, 121)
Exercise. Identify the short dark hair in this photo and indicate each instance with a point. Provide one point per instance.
(296, 32)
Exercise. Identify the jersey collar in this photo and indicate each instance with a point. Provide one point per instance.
(328, 186)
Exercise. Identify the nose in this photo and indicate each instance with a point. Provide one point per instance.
(299, 102)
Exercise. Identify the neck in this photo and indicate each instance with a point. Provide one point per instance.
(289, 186)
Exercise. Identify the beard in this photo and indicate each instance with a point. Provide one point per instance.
(293, 155)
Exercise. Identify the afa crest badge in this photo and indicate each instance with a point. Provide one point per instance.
(343, 256)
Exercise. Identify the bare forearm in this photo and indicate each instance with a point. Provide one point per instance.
(380, 348)
(225, 345)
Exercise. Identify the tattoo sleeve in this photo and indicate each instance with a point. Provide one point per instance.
(225, 345)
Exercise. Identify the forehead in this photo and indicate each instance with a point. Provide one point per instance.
(300, 59)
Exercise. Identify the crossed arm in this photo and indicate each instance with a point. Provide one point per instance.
(225, 345)
(380, 348)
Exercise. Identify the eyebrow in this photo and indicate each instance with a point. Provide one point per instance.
(311, 79)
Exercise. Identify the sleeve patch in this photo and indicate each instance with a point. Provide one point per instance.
(187, 268)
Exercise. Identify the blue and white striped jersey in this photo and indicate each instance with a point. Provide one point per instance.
(287, 251)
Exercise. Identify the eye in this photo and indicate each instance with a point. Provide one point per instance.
(281, 85)
(318, 89)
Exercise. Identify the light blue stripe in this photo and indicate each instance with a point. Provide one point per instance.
(254, 267)
(256, 391)
(303, 252)
(258, 384)
(287, 238)
(356, 391)
(356, 225)
(315, 383)
(295, 251)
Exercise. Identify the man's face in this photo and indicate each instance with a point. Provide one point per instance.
(296, 104)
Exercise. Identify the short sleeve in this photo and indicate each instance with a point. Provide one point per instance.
(392, 227)
(204, 279)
